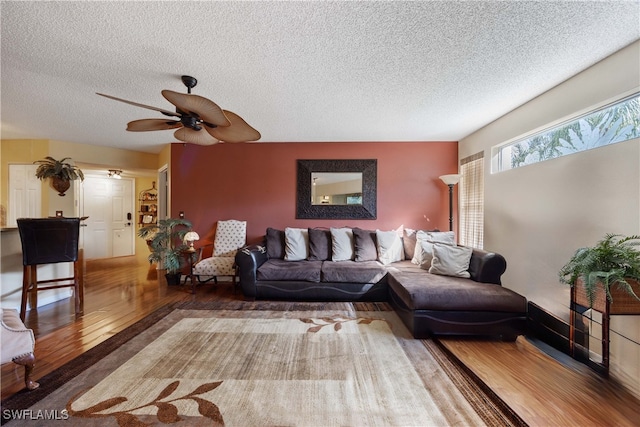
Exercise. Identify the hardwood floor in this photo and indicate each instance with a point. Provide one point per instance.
(543, 390)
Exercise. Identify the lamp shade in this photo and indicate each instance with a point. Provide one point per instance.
(451, 179)
(191, 236)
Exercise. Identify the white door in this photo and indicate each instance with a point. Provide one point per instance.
(108, 204)
(24, 193)
(122, 238)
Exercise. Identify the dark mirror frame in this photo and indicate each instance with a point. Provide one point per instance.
(367, 210)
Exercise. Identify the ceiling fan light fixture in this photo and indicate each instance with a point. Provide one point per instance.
(193, 112)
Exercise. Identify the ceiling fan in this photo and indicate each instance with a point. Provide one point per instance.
(199, 120)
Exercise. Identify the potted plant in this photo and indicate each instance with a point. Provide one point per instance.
(165, 240)
(609, 269)
(60, 171)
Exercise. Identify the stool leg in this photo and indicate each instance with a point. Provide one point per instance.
(78, 291)
(26, 277)
(33, 287)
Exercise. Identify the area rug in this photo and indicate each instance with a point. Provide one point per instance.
(275, 364)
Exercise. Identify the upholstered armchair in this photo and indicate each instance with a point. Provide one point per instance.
(230, 236)
(18, 343)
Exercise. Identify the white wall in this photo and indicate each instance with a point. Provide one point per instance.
(538, 215)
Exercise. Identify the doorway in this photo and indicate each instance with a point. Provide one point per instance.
(109, 205)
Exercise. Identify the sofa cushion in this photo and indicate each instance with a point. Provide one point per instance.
(364, 242)
(296, 244)
(428, 291)
(275, 243)
(342, 247)
(389, 247)
(353, 272)
(278, 269)
(451, 260)
(409, 242)
(319, 244)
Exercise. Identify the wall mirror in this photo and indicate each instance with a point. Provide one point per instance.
(336, 189)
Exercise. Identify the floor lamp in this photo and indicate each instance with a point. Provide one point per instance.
(450, 180)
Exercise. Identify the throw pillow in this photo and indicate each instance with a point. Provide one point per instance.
(275, 243)
(409, 242)
(389, 247)
(319, 244)
(364, 242)
(423, 252)
(451, 260)
(342, 247)
(296, 244)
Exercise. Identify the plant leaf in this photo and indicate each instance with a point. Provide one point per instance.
(128, 420)
(168, 390)
(205, 388)
(209, 410)
(101, 406)
(167, 413)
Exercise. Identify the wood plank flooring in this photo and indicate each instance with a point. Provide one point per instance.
(544, 391)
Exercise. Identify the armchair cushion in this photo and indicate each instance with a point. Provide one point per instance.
(215, 266)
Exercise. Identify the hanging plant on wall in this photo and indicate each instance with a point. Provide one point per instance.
(61, 173)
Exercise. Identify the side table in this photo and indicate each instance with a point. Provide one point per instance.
(190, 257)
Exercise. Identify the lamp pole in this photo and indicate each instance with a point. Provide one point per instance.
(450, 207)
(451, 180)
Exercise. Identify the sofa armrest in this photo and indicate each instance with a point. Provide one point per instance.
(487, 267)
(248, 260)
(17, 339)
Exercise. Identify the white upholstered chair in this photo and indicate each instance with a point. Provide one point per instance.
(18, 343)
(230, 236)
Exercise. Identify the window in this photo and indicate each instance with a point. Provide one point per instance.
(616, 122)
(472, 201)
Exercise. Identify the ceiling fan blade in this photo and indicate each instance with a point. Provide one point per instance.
(239, 131)
(165, 112)
(204, 108)
(194, 136)
(152, 124)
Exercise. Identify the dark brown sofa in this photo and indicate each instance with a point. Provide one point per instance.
(428, 304)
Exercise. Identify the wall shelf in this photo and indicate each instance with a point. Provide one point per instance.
(148, 206)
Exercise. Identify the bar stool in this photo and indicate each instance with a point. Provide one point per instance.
(49, 241)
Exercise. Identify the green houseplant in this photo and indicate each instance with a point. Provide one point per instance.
(61, 173)
(613, 264)
(165, 240)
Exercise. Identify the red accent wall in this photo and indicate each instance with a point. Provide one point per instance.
(256, 182)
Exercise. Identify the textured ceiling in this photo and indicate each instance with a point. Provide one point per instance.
(296, 71)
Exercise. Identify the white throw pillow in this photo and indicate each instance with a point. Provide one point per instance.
(409, 242)
(424, 245)
(342, 245)
(389, 247)
(296, 244)
(451, 260)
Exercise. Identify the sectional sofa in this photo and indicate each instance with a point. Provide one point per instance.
(435, 286)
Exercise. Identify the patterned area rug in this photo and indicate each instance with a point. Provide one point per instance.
(262, 363)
